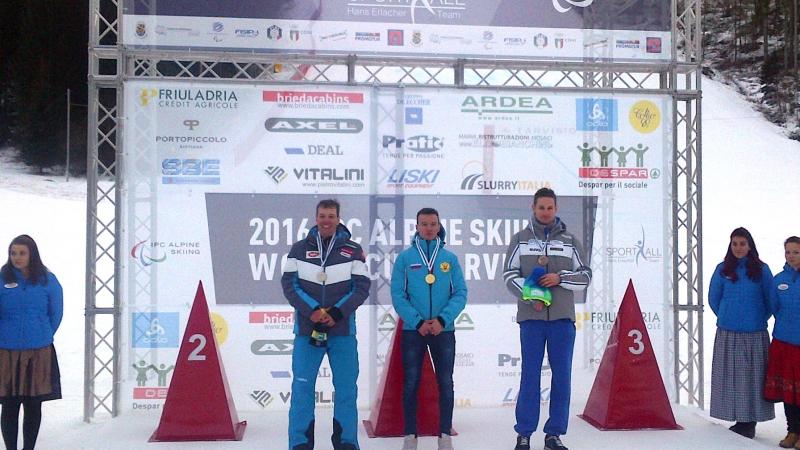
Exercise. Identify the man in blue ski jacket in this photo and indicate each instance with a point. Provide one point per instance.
(325, 279)
(545, 247)
(428, 293)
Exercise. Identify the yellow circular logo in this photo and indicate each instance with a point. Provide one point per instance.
(445, 267)
(220, 327)
(645, 116)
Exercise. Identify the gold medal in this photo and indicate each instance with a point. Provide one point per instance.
(543, 260)
(322, 276)
(430, 278)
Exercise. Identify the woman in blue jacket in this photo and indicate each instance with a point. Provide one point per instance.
(783, 371)
(31, 305)
(739, 295)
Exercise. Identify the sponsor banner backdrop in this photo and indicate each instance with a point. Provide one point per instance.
(539, 29)
(219, 181)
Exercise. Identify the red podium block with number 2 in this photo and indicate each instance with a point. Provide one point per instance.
(199, 406)
(628, 392)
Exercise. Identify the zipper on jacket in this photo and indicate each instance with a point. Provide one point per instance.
(430, 301)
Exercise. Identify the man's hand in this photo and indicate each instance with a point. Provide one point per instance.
(549, 280)
(425, 329)
(435, 327)
(321, 316)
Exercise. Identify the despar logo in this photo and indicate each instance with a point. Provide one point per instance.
(619, 155)
(190, 171)
(596, 114)
(645, 116)
(475, 180)
(272, 347)
(302, 125)
(160, 373)
(189, 98)
(505, 104)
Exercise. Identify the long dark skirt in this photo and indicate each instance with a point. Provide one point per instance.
(737, 377)
(29, 374)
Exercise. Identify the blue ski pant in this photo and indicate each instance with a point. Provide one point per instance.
(342, 354)
(558, 336)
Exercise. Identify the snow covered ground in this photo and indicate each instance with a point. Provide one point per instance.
(751, 178)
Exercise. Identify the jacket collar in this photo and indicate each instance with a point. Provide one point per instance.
(547, 231)
(342, 235)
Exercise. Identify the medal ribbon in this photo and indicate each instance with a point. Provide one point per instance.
(327, 252)
(429, 262)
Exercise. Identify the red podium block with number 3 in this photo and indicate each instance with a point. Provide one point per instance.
(199, 406)
(628, 392)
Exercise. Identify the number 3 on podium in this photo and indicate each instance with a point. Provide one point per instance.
(637, 340)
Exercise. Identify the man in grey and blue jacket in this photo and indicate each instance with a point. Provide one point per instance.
(545, 245)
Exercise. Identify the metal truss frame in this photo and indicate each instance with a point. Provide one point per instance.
(110, 64)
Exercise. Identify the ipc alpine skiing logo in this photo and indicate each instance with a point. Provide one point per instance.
(146, 254)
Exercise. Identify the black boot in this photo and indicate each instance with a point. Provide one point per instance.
(746, 429)
(553, 442)
(523, 443)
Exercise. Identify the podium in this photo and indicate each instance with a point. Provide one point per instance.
(199, 406)
(386, 416)
(628, 392)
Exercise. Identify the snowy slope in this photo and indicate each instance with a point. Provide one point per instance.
(750, 178)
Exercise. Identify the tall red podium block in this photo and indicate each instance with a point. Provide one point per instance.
(386, 417)
(199, 406)
(628, 392)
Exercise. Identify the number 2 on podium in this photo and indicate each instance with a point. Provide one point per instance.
(201, 344)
